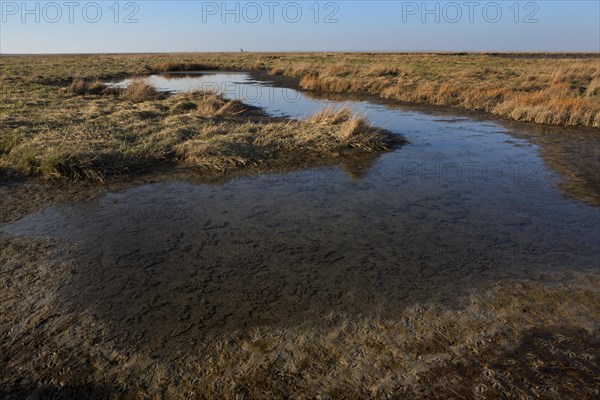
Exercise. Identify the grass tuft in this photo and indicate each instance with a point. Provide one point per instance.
(139, 91)
(331, 116)
(82, 86)
(182, 67)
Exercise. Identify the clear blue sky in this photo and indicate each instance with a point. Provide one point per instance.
(170, 26)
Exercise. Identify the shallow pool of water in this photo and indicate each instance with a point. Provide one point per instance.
(465, 203)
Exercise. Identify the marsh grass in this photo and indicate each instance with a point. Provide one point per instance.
(353, 129)
(138, 91)
(546, 91)
(339, 135)
(88, 131)
(559, 89)
(83, 86)
(183, 67)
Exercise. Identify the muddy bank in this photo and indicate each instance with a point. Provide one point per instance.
(538, 338)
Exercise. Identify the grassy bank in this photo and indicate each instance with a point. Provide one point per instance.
(57, 119)
(82, 130)
(558, 89)
(545, 91)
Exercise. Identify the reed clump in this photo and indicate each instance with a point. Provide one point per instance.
(182, 67)
(328, 134)
(138, 91)
(82, 86)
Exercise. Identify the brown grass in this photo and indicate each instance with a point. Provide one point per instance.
(114, 132)
(559, 89)
(353, 130)
(139, 91)
(556, 93)
(182, 67)
(82, 86)
(593, 89)
(328, 134)
(384, 70)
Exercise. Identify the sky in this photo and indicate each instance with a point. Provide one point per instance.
(69, 26)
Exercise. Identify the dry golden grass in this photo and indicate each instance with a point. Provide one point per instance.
(331, 116)
(556, 104)
(353, 130)
(334, 135)
(60, 127)
(548, 107)
(90, 132)
(298, 69)
(559, 89)
(82, 86)
(138, 91)
(384, 70)
(182, 67)
(593, 89)
(548, 91)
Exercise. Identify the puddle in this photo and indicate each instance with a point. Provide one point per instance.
(463, 204)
